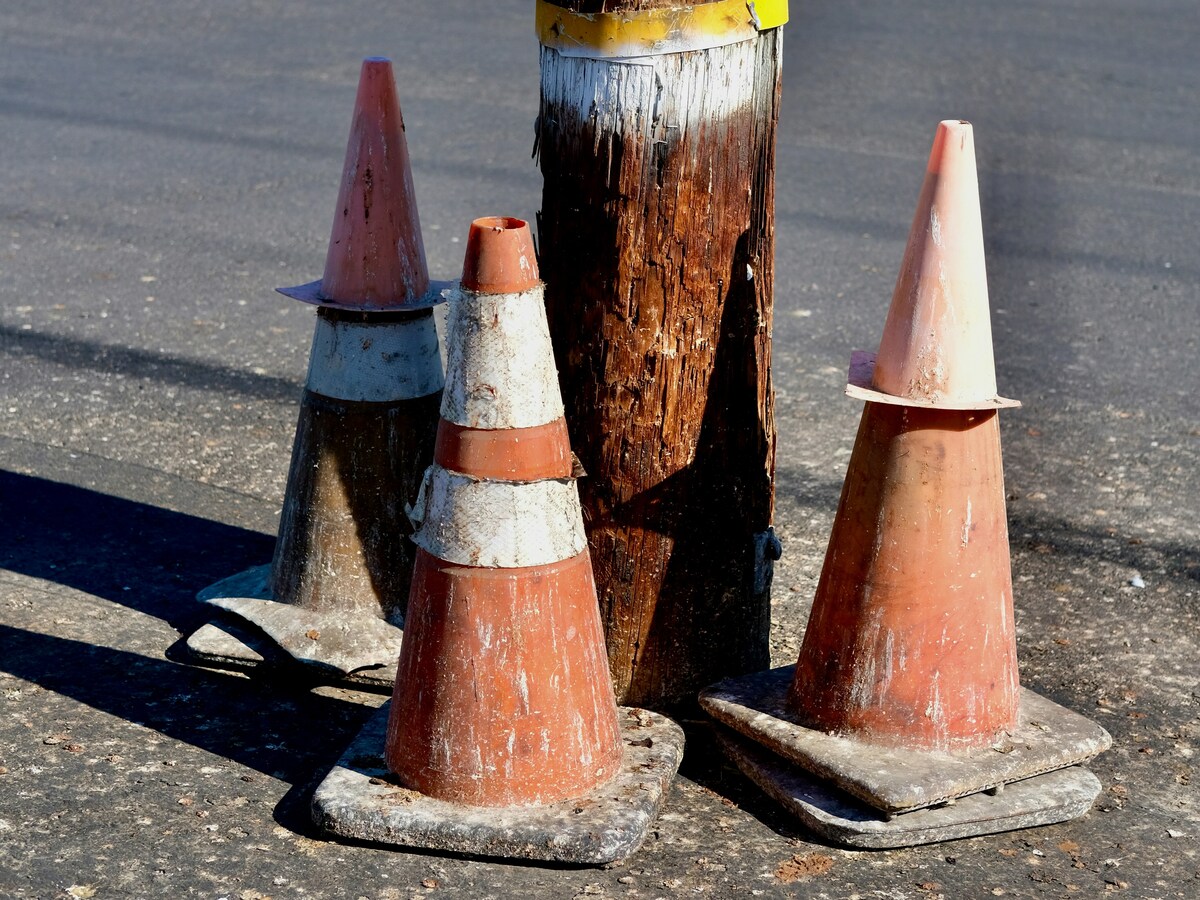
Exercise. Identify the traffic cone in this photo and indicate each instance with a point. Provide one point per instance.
(936, 349)
(335, 593)
(503, 736)
(906, 693)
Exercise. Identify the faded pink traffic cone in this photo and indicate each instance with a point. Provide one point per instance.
(338, 584)
(503, 728)
(936, 348)
(906, 693)
(922, 512)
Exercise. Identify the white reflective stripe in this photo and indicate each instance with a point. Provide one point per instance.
(498, 524)
(499, 363)
(624, 100)
(375, 362)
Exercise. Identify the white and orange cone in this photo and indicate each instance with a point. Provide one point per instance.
(503, 726)
(337, 588)
(906, 685)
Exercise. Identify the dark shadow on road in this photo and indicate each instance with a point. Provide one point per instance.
(290, 735)
(76, 353)
(144, 557)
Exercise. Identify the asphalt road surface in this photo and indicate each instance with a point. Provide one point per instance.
(163, 167)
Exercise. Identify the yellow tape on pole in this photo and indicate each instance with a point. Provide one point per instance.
(653, 32)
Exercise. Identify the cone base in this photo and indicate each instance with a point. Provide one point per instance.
(360, 800)
(349, 647)
(840, 819)
(1047, 737)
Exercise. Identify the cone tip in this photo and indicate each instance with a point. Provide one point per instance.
(949, 133)
(375, 75)
(376, 256)
(500, 257)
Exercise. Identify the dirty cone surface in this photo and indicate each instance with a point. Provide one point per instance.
(151, 151)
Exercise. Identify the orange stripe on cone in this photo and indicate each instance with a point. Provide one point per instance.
(512, 454)
(500, 257)
(503, 696)
(911, 640)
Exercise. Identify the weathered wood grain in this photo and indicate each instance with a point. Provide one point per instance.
(657, 248)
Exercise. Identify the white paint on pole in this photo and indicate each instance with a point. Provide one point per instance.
(377, 362)
(499, 362)
(498, 524)
(655, 98)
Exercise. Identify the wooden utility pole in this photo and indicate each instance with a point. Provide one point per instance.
(656, 140)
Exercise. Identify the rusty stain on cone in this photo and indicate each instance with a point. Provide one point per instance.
(503, 696)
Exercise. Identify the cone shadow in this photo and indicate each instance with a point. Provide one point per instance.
(133, 554)
(251, 724)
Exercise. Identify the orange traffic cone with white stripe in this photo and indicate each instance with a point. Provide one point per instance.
(503, 730)
(906, 685)
(335, 593)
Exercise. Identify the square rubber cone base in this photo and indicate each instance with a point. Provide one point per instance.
(359, 801)
(895, 780)
(840, 819)
(254, 632)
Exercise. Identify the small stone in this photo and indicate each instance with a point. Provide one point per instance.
(54, 739)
